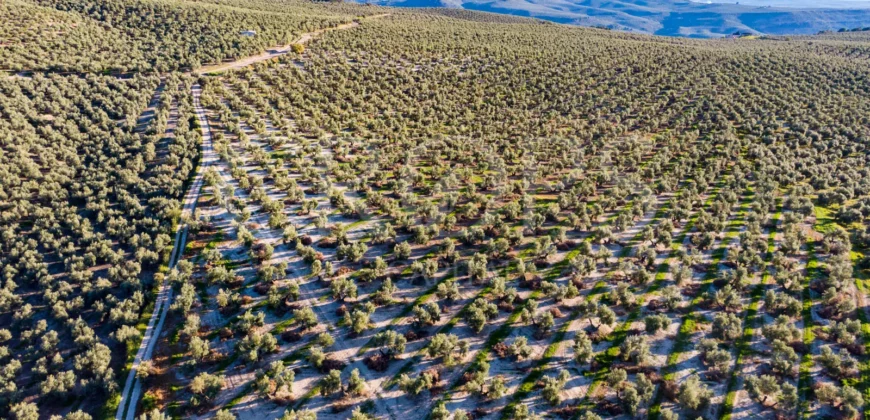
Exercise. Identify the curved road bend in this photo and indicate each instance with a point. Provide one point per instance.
(133, 386)
(278, 51)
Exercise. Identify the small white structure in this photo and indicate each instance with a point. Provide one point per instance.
(249, 33)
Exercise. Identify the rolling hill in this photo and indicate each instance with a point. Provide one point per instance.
(669, 17)
(303, 210)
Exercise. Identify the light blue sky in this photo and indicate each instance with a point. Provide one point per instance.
(821, 4)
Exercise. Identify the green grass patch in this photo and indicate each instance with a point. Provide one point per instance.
(750, 319)
(683, 341)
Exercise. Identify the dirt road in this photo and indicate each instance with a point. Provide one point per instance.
(278, 51)
(133, 386)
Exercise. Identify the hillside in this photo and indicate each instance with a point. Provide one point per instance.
(667, 17)
(369, 212)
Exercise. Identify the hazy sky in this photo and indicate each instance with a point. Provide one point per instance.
(862, 4)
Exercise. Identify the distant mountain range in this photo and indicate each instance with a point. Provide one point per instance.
(698, 19)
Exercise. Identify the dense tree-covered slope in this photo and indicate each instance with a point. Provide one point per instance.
(428, 213)
(149, 35)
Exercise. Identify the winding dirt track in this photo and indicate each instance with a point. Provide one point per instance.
(278, 51)
(133, 386)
